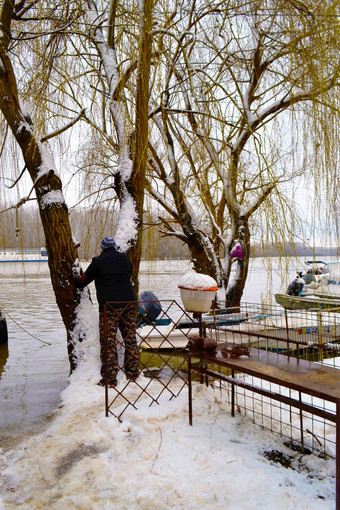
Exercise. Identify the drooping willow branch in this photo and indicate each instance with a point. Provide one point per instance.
(64, 128)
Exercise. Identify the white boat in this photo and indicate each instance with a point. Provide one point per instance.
(318, 287)
(168, 334)
(331, 285)
(24, 255)
(325, 278)
(316, 274)
(165, 336)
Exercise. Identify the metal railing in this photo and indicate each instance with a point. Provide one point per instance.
(313, 335)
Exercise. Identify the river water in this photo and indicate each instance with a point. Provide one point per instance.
(34, 369)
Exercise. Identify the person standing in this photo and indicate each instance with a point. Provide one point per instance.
(111, 273)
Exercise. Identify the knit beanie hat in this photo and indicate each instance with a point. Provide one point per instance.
(107, 242)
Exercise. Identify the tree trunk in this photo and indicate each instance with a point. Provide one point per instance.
(201, 262)
(137, 182)
(62, 256)
(62, 253)
(235, 288)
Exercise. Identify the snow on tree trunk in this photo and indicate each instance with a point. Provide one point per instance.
(62, 252)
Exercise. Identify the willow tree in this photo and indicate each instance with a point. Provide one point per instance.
(108, 79)
(51, 37)
(20, 26)
(237, 81)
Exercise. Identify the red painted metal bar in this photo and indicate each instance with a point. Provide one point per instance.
(162, 353)
(189, 389)
(337, 457)
(105, 356)
(233, 395)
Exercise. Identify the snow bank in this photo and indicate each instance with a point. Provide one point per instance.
(155, 460)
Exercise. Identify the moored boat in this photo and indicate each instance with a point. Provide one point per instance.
(24, 255)
(308, 301)
(316, 274)
(165, 333)
(317, 288)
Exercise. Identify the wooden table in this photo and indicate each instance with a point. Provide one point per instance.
(303, 376)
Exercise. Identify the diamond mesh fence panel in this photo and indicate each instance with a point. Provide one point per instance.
(162, 334)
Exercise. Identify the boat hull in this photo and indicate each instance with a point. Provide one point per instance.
(310, 301)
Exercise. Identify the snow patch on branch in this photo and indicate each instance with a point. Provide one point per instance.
(169, 181)
(251, 117)
(210, 248)
(107, 54)
(244, 208)
(176, 233)
(125, 164)
(235, 277)
(110, 64)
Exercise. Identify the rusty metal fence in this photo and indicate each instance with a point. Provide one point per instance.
(163, 362)
(309, 334)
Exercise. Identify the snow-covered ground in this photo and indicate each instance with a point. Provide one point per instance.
(154, 459)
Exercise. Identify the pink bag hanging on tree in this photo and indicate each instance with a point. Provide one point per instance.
(236, 252)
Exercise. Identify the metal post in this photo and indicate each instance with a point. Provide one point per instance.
(337, 458)
(105, 317)
(189, 389)
(233, 395)
(320, 333)
(287, 332)
(286, 321)
(301, 426)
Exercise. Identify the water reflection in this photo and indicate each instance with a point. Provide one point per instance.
(35, 372)
(3, 356)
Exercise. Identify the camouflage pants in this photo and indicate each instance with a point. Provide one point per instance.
(125, 319)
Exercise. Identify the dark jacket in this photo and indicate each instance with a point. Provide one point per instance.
(111, 272)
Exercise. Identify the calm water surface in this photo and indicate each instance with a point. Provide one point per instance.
(34, 368)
